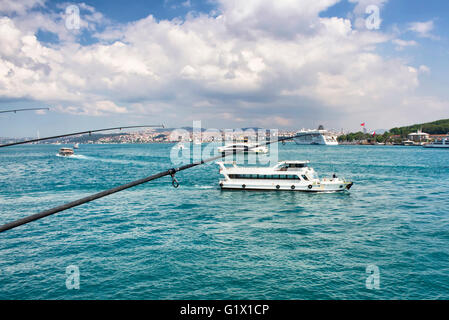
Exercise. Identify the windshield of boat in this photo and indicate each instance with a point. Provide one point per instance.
(292, 166)
(313, 175)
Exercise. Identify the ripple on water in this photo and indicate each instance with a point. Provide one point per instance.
(198, 242)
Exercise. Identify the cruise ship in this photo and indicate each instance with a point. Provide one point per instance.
(317, 137)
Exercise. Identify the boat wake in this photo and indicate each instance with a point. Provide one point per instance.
(205, 187)
(82, 157)
(74, 156)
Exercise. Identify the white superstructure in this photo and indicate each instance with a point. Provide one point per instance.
(66, 152)
(244, 147)
(322, 137)
(286, 175)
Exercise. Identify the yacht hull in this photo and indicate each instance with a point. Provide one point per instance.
(316, 143)
(441, 146)
(250, 185)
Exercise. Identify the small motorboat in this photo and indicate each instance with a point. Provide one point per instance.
(285, 176)
(66, 152)
(76, 145)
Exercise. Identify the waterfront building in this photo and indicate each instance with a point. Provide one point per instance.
(418, 136)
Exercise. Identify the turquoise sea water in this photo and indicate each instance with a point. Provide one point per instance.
(198, 242)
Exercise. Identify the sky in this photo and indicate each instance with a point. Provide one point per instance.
(286, 64)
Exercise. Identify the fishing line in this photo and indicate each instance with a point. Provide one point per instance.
(170, 172)
(18, 110)
(78, 133)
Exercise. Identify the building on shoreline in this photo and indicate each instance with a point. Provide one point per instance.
(418, 137)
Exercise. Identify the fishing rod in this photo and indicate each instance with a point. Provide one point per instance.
(27, 109)
(77, 133)
(170, 172)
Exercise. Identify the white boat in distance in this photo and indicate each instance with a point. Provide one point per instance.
(76, 145)
(439, 143)
(243, 147)
(316, 137)
(286, 175)
(66, 152)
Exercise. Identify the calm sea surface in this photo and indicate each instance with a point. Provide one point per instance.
(198, 242)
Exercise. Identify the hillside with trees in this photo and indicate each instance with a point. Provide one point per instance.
(435, 127)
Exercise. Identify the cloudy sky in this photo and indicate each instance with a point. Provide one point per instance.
(228, 63)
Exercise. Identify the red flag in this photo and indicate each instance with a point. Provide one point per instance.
(362, 124)
(374, 133)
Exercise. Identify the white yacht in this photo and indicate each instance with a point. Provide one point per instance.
(318, 137)
(76, 145)
(438, 143)
(243, 147)
(286, 175)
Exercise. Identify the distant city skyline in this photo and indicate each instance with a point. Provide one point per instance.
(230, 64)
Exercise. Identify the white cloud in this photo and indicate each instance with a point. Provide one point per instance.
(97, 108)
(423, 29)
(19, 7)
(401, 44)
(29, 17)
(255, 18)
(424, 69)
(256, 61)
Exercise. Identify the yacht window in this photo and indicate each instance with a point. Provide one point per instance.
(263, 176)
(305, 177)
